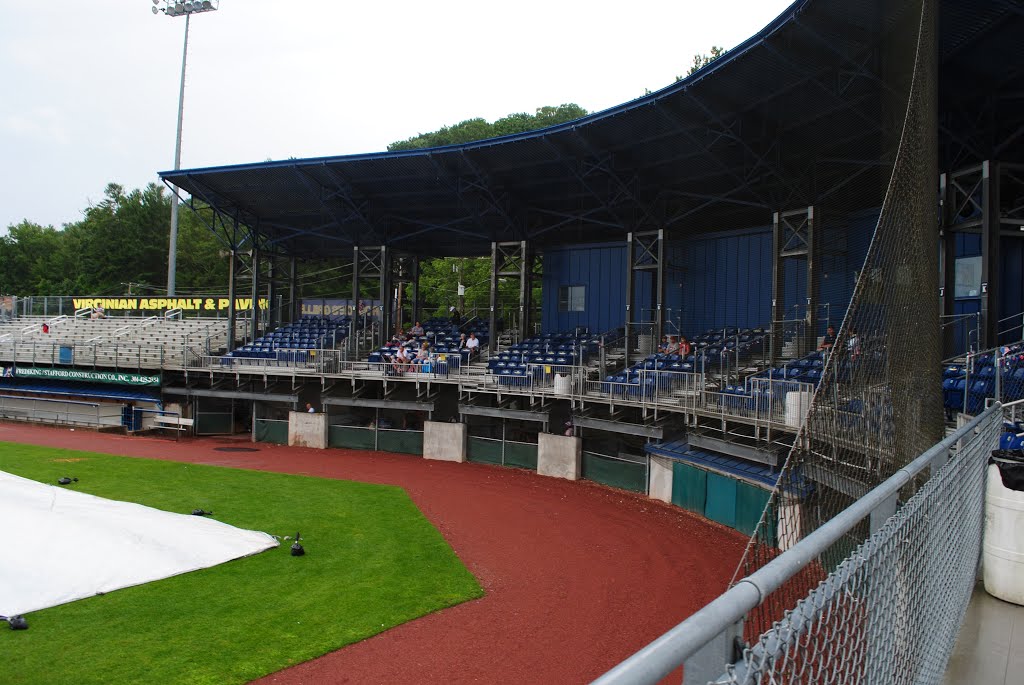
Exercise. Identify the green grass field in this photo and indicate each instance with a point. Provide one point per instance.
(373, 562)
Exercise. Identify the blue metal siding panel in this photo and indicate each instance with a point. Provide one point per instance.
(968, 244)
(727, 281)
(602, 270)
(842, 258)
(1011, 281)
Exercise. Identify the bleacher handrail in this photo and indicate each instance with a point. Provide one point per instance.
(148, 321)
(720, 616)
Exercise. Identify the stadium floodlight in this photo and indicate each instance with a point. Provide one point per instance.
(173, 8)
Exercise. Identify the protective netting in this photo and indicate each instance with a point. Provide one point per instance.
(890, 612)
(877, 405)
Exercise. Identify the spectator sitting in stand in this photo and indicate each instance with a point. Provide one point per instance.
(455, 317)
(388, 355)
(416, 331)
(401, 359)
(684, 348)
(853, 345)
(666, 344)
(462, 342)
(46, 328)
(422, 355)
(473, 345)
(829, 340)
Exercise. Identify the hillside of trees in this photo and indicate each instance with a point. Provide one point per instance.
(121, 239)
(472, 130)
(120, 247)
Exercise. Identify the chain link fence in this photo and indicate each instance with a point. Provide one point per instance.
(875, 406)
(887, 614)
(890, 612)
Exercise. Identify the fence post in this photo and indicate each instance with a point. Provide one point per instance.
(998, 359)
(707, 663)
(967, 380)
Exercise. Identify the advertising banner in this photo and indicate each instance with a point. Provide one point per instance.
(202, 305)
(115, 378)
(337, 307)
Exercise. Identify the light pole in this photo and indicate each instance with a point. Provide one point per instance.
(178, 9)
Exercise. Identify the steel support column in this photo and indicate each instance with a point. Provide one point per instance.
(794, 237)
(973, 198)
(511, 260)
(630, 291)
(273, 311)
(645, 251)
(416, 289)
(355, 301)
(811, 337)
(369, 262)
(255, 288)
(294, 309)
(492, 330)
(404, 268)
(947, 263)
(387, 300)
(231, 299)
(991, 230)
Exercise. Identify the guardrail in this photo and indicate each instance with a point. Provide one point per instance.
(892, 608)
(119, 357)
(48, 410)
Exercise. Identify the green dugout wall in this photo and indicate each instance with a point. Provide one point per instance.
(724, 499)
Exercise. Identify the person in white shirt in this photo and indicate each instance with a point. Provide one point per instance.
(310, 409)
(401, 359)
(473, 345)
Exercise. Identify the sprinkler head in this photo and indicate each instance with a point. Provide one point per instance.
(297, 549)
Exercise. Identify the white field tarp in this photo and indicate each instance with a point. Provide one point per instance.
(58, 545)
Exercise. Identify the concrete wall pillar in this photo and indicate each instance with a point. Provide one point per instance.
(660, 485)
(559, 456)
(444, 441)
(307, 430)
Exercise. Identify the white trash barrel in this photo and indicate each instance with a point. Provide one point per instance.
(563, 384)
(1003, 550)
(798, 403)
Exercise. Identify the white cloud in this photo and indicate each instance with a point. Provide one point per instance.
(43, 123)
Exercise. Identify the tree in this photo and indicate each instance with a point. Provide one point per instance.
(700, 61)
(27, 258)
(121, 239)
(471, 130)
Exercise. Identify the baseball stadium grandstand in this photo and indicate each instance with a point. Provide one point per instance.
(785, 293)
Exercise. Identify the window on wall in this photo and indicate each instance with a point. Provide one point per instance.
(968, 277)
(572, 298)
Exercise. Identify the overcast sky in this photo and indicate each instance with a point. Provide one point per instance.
(89, 89)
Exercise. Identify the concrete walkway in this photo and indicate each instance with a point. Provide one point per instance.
(990, 647)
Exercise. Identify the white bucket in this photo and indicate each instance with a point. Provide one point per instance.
(798, 403)
(563, 384)
(1003, 551)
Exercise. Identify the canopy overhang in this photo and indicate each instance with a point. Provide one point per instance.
(784, 120)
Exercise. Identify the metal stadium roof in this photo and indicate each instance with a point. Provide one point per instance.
(785, 119)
